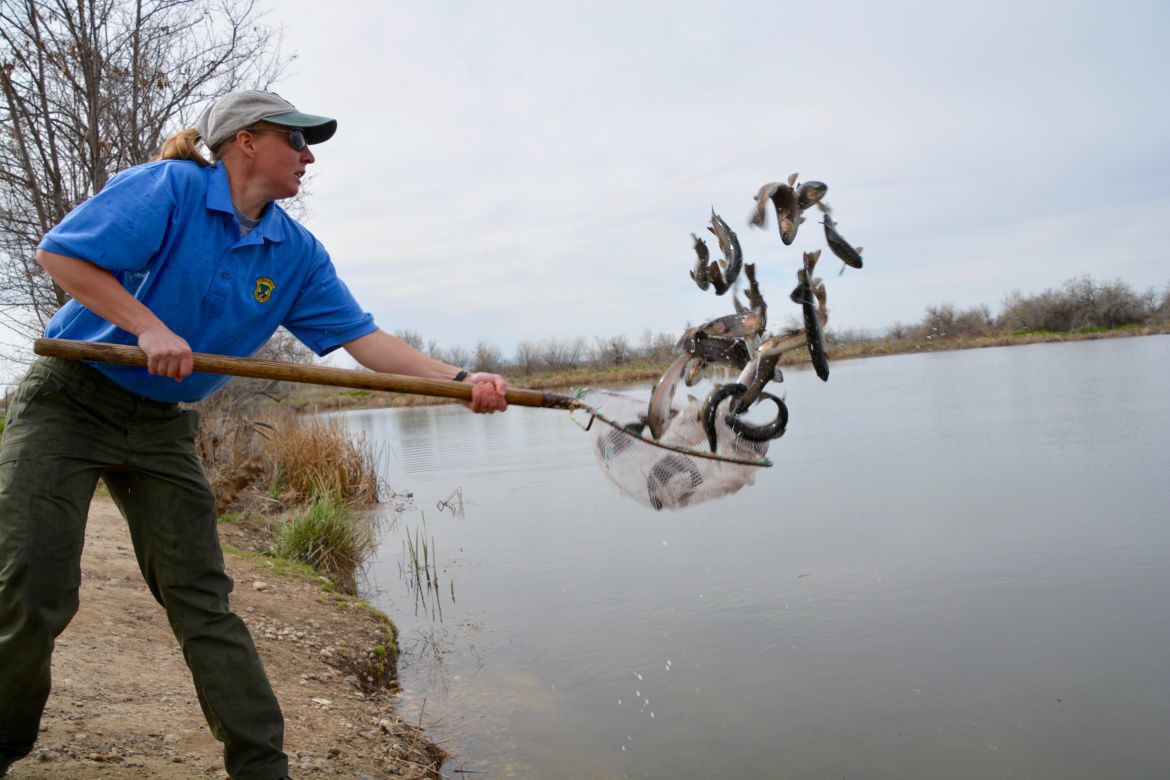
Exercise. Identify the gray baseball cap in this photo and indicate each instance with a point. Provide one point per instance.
(236, 110)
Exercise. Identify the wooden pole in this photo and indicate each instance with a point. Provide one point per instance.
(292, 372)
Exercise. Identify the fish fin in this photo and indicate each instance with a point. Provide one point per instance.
(858, 249)
(800, 221)
(792, 179)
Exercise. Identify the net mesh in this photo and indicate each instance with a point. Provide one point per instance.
(672, 472)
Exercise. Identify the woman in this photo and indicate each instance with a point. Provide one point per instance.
(178, 255)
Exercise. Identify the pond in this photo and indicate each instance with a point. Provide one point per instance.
(959, 566)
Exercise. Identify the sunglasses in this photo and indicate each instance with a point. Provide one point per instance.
(296, 138)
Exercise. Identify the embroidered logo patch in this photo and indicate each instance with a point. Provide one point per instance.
(264, 288)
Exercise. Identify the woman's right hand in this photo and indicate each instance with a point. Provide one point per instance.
(166, 353)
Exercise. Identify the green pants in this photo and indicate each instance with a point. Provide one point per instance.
(67, 427)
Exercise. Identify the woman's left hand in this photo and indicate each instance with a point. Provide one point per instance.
(487, 393)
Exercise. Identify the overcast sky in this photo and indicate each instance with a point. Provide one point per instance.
(514, 171)
(519, 171)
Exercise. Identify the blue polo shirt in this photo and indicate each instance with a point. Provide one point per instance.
(168, 232)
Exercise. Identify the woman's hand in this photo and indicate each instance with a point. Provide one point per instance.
(487, 393)
(166, 353)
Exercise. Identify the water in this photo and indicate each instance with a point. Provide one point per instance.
(959, 567)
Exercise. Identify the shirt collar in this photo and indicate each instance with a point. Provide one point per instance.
(219, 198)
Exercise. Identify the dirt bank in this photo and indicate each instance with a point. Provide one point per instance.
(123, 705)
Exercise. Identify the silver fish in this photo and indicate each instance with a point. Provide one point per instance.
(715, 349)
(729, 245)
(764, 367)
(759, 217)
(787, 213)
(659, 412)
(839, 246)
(810, 193)
(695, 372)
(699, 274)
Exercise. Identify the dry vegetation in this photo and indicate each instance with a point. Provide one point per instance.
(1081, 308)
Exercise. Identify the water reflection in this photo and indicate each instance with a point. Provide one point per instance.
(957, 568)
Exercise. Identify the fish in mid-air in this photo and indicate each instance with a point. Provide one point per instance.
(700, 271)
(839, 246)
(810, 292)
(732, 261)
(783, 199)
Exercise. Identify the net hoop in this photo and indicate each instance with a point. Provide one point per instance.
(584, 409)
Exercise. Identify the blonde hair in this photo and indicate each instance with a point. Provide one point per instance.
(183, 145)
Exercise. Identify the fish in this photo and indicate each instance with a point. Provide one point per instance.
(715, 279)
(807, 293)
(839, 246)
(764, 367)
(784, 201)
(740, 306)
(699, 274)
(695, 372)
(754, 297)
(787, 213)
(729, 246)
(753, 432)
(810, 193)
(716, 349)
(659, 412)
(759, 217)
(672, 480)
(736, 326)
(711, 407)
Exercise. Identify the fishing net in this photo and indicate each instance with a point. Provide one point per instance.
(676, 470)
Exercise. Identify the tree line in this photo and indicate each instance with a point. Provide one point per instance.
(1081, 303)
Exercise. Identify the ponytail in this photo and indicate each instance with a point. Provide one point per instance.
(183, 146)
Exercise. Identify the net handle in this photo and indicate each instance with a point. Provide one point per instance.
(305, 374)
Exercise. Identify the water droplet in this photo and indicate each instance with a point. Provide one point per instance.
(619, 702)
(638, 675)
(663, 542)
(651, 714)
(638, 694)
(623, 748)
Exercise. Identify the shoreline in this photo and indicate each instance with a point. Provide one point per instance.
(123, 704)
(307, 399)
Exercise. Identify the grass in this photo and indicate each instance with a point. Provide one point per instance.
(317, 457)
(329, 537)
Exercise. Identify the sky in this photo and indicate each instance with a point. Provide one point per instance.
(520, 171)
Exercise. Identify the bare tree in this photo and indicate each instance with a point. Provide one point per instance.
(527, 357)
(411, 338)
(487, 358)
(90, 87)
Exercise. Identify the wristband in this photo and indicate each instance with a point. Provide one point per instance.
(463, 372)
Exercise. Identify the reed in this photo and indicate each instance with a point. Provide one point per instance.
(314, 456)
